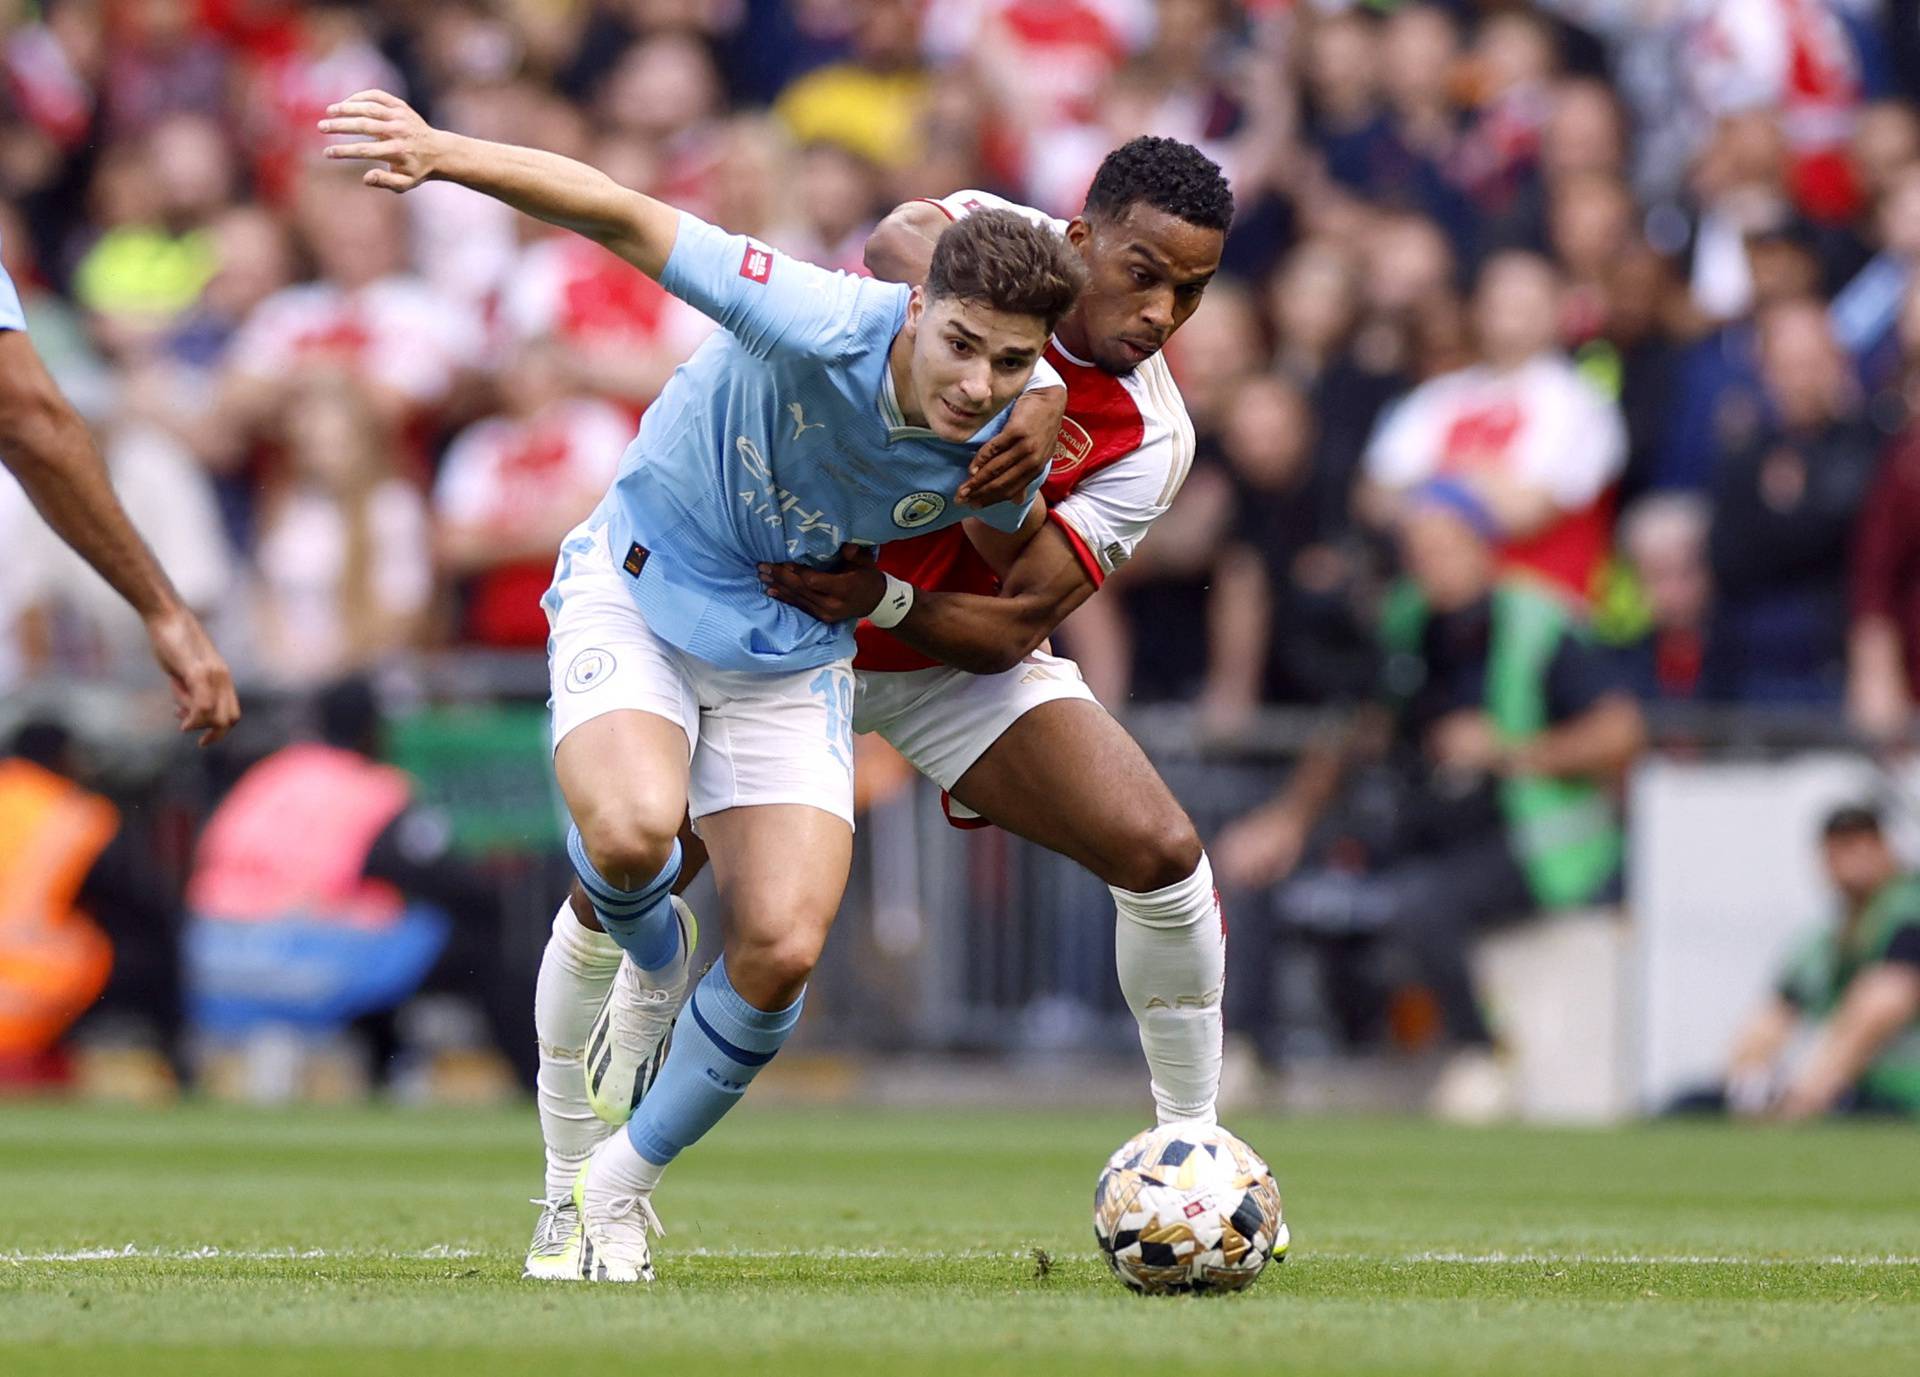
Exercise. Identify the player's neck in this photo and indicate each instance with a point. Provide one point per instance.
(900, 368)
(1071, 334)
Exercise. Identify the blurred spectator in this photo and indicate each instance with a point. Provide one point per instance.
(344, 542)
(1663, 540)
(89, 629)
(369, 909)
(1717, 399)
(622, 333)
(404, 345)
(160, 196)
(871, 103)
(161, 61)
(85, 912)
(304, 58)
(1502, 730)
(1785, 498)
(1280, 621)
(1866, 312)
(1856, 980)
(1883, 639)
(513, 485)
(1349, 375)
(1534, 439)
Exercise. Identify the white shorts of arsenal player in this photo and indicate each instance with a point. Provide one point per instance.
(943, 719)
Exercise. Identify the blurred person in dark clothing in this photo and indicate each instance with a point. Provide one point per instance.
(1499, 732)
(1280, 621)
(1349, 375)
(1663, 540)
(1856, 979)
(1784, 507)
(1716, 398)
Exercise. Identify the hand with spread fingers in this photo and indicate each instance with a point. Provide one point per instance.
(395, 135)
(833, 595)
(1005, 466)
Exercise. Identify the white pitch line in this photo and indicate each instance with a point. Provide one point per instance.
(447, 1252)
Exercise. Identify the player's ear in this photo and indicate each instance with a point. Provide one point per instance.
(916, 307)
(1079, 232)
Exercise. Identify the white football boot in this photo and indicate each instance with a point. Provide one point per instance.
(613, 1231)
(634, 1028)
(554, 1254)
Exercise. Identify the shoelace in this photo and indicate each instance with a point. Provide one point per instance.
(623, 1205)
(547, 1233)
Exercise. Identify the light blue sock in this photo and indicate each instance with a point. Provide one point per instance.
(720, 1042)
(640, 920)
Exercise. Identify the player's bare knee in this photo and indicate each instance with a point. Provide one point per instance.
(627, 851)
(770, 972)
(1156, 852)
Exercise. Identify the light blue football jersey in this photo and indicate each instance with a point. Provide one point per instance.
(11, 316)
(780, 439)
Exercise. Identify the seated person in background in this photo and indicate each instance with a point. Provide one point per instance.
(1857, 980)
(1501, 730)
(322, 893)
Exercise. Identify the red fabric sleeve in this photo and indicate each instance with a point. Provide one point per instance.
(1080, 550)
(1887, 539)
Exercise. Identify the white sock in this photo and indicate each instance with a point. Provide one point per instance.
(576, 970)
(619, 1169)
(1171, 948)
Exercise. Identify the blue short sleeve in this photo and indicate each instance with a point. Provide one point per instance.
(771, 303)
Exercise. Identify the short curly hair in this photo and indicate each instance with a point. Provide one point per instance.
(1168, 175)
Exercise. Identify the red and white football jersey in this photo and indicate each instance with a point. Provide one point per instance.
(398, 332)
(1541, 425)
(1125, 447)
(575, 291)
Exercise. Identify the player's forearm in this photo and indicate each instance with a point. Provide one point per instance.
(1881, 1001)
(563, 192)
(1599, 744)
(982, 634)
(47, 448)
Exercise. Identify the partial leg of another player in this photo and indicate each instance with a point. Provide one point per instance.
(781, 870)
(1067, 776)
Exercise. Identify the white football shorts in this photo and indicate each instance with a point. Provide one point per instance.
(752, 738)
(943, 719)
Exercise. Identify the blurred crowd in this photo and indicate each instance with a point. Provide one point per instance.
(1640, 272)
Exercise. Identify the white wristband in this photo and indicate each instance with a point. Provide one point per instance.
(895, 603)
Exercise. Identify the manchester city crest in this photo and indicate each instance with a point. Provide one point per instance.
(918, 508)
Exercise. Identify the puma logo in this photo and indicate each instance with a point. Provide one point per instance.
(801, 425)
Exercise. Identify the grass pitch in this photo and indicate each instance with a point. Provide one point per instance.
(218, 1241)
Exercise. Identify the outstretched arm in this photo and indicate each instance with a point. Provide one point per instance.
(46, 446)
(545, 185)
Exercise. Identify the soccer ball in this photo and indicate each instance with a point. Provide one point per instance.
(1187, 1207)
